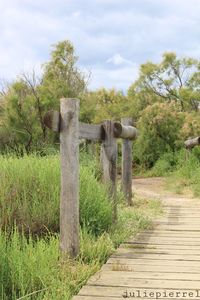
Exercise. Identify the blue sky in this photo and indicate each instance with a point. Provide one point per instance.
(111, 37)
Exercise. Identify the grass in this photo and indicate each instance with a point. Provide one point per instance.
(186, 176)
(29, 195)
(30, 265)
(181, 169)
(33, 266)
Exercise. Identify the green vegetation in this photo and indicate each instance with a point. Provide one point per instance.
(29, 195)
(164, 102)
(182, 170)
(29, 242)
(185, 177)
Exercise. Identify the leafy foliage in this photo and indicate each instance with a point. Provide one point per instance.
(159, 128)
(174, 79)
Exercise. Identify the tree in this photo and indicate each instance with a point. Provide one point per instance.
(174, 79)
(61, 77)
(24, 102)
(105, 104)
(19, 117)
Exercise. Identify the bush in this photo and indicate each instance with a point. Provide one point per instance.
(159, 128)
(187, 172)
(30, 193)
(165, 164)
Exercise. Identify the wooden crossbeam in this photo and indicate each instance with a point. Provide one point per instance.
(90, 132)
(52, 120)
(125, 132)
(191, 143)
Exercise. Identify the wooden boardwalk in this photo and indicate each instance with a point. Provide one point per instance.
(165, 259)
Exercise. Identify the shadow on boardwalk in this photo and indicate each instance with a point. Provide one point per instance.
(157, 262)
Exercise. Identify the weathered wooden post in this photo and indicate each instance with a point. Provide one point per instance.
(69, 155)
(127, 164)
(109, 161)
(128, 133)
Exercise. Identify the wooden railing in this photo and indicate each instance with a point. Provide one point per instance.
(66, 122)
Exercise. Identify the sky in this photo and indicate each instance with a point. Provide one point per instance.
(112, 38)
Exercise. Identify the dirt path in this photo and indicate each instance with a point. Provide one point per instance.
(163, 260)
(155, 188)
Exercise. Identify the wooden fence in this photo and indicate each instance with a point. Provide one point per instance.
(66, 122)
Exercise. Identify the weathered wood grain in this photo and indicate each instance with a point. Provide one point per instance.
(127, 165)
(52, 120)
(109, 162)
(90, 132)
(69, 200)
(125, 132)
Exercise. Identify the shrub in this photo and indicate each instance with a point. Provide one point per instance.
(165, 164)
(159, 128)
(191, 125)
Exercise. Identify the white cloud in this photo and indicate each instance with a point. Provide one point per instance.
(119, 78)
(117, 59)
(112, 37)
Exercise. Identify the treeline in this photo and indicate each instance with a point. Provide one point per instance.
(164, 102)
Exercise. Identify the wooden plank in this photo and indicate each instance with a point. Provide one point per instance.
(127, 276)
(115, 267)
(145, 283)
(69, 201)
(157, 250)
(130, 295)
(90, 132)
(166, 240)
(152, 261)
(179, 228)
(160, 246)
(127, 165)
(180, 220)
(109, 162)
(104, 297)
(173, 238)
(170, 233)
(130, 254)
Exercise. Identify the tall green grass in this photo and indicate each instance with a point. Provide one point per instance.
(29, 195)
(186, 176)
(32, 267)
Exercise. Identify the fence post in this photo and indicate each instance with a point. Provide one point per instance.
(127, 164)
(109, 162)
(69, 202)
